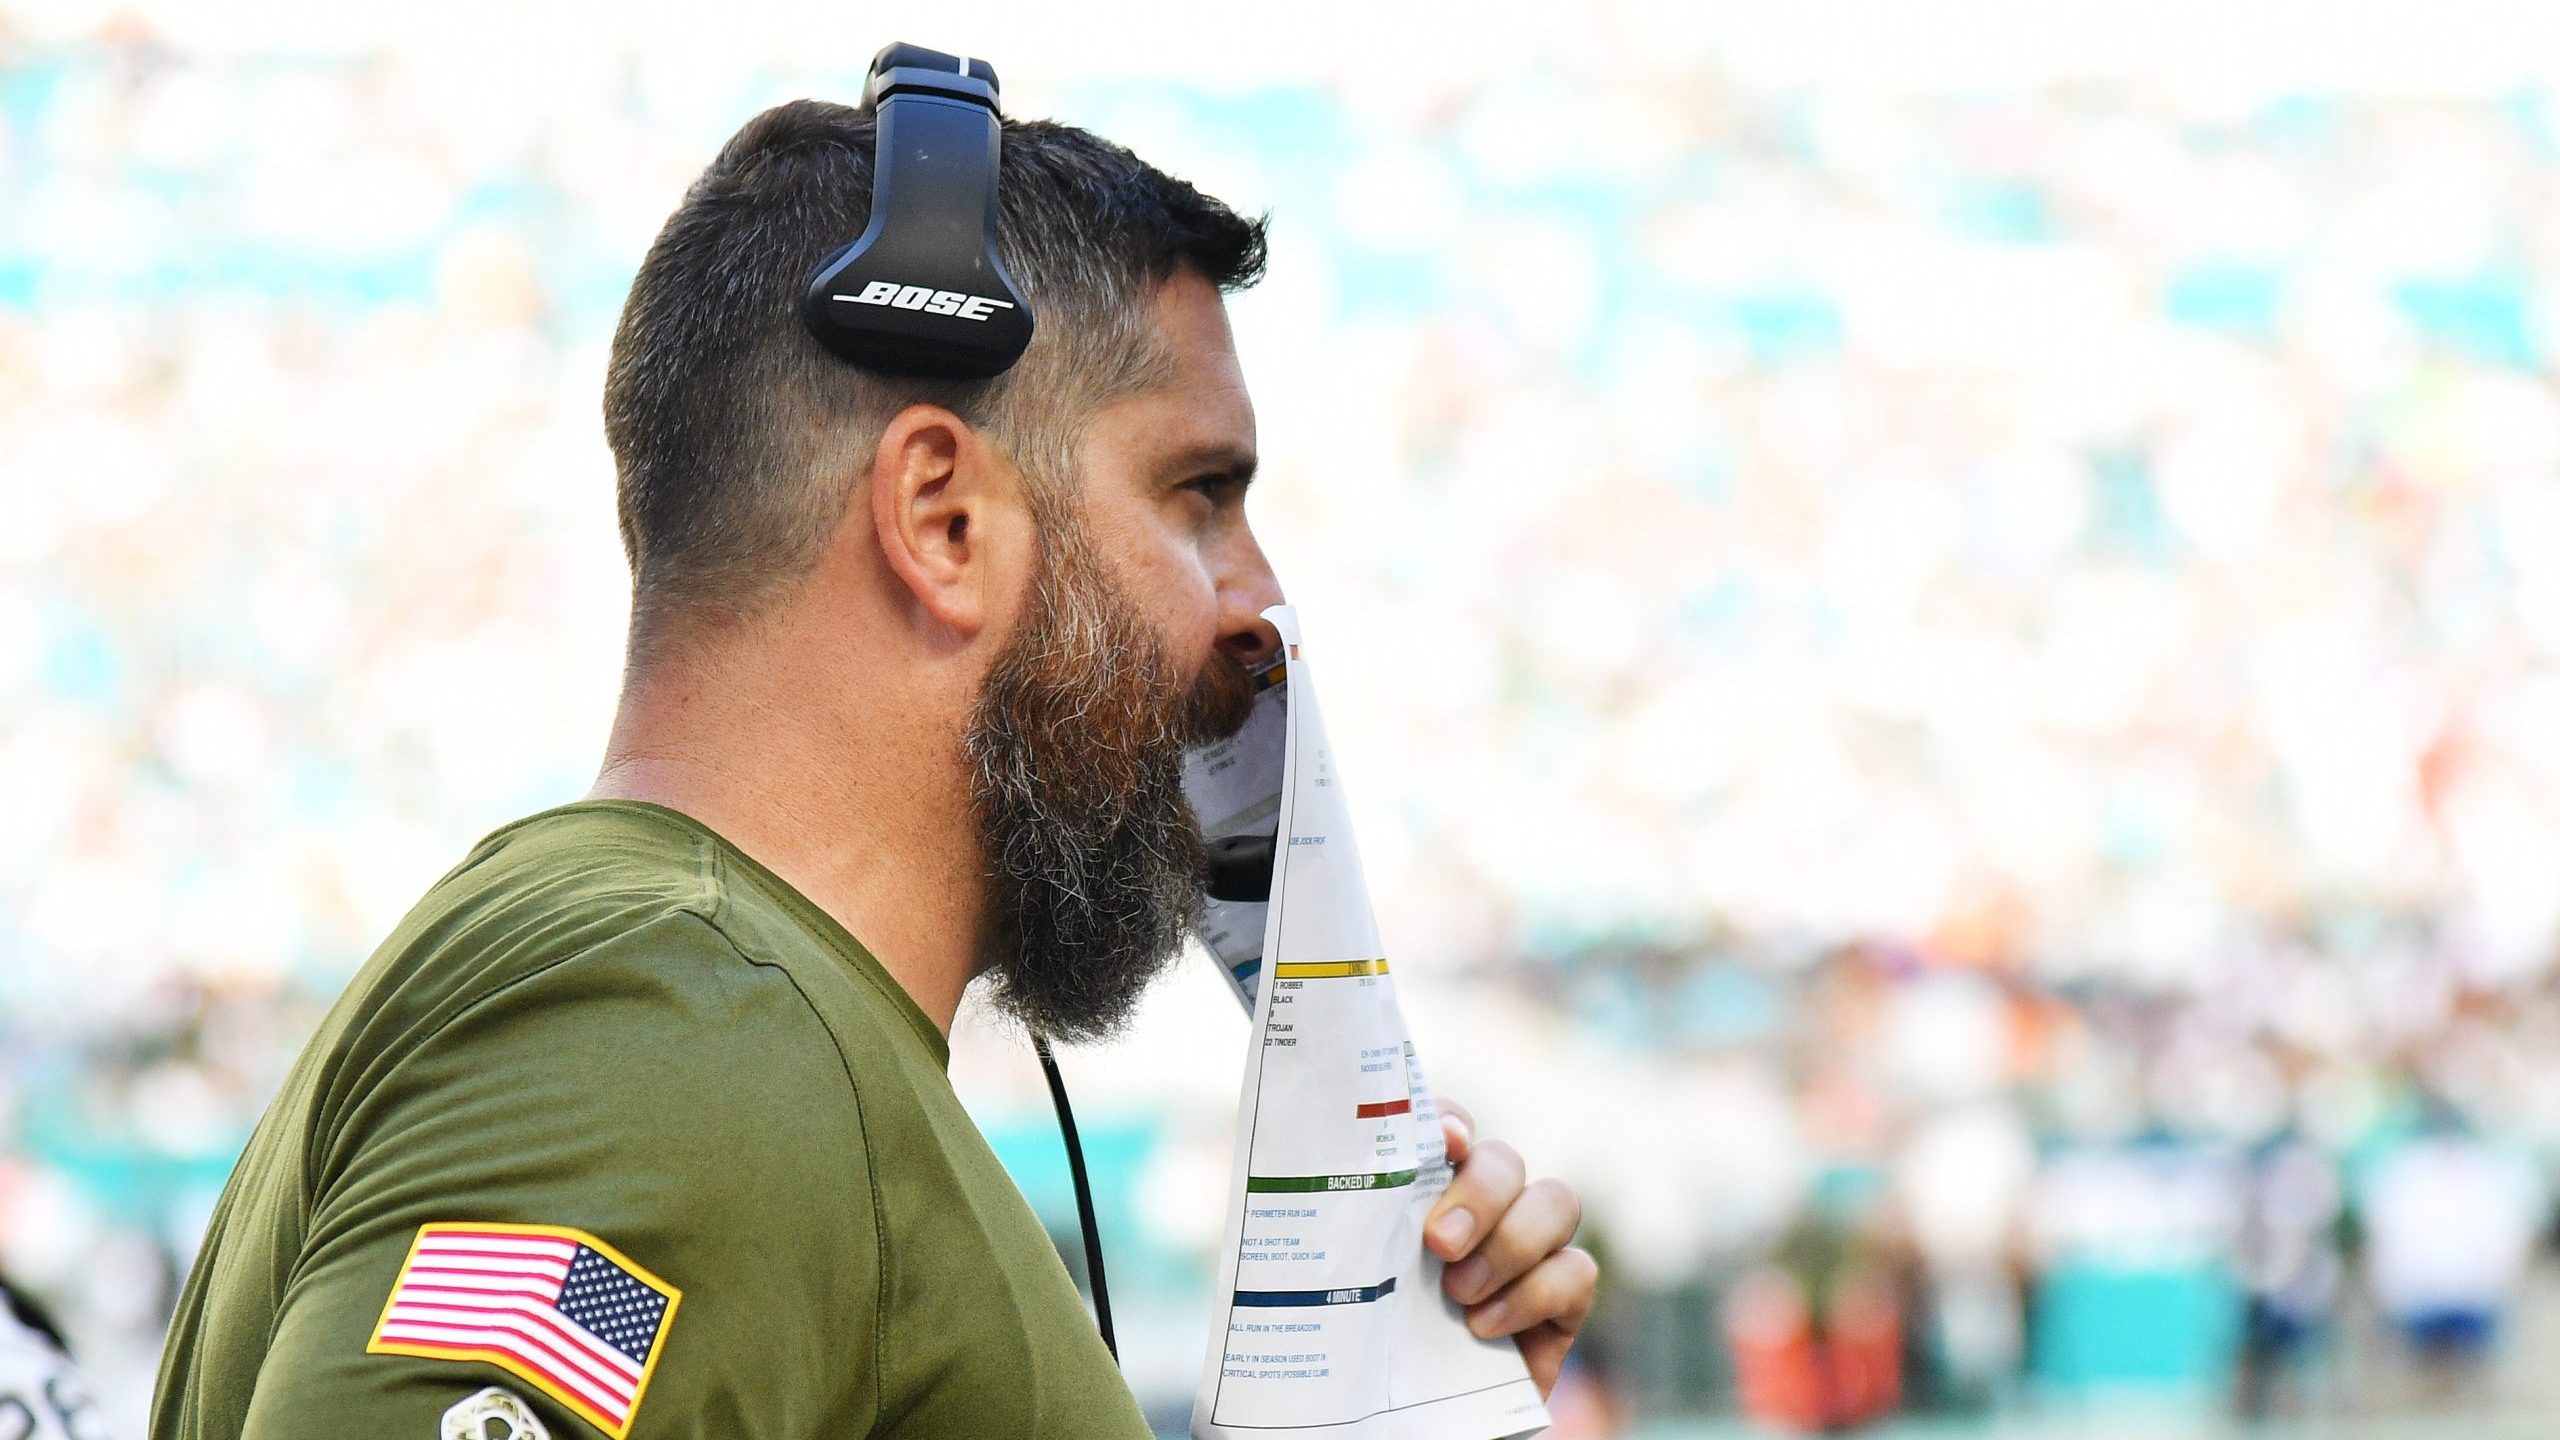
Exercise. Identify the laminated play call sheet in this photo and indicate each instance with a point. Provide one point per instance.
(1334, 1323)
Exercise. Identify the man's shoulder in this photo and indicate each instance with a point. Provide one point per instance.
(574, 959)
(603, 886)
(592, 861)
(589, 920)
(635, 919)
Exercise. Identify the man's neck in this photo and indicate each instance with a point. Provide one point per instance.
(849, 805)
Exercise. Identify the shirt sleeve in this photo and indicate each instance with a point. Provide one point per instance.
(630, 1189)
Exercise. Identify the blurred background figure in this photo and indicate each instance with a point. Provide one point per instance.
(42, 1397)
(1952, 609)
(2134, 1295)
(1965, 1175)
(2450, 1222)
(2287, 1254)
(1816, 1371)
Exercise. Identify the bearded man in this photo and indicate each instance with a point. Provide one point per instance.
(624, 1130)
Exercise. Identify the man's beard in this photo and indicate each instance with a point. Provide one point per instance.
(1094, 861)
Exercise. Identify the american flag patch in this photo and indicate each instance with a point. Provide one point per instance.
(557, 1308)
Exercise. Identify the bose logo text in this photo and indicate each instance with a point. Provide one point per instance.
(930, 301)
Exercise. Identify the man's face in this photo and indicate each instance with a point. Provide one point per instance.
(1164, 477)
(1132, 647)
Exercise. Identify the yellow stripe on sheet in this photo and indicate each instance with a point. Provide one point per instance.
(1328, 969)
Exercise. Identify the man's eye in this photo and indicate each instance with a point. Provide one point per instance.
(1215, 487)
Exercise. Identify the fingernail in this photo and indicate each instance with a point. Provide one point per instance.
(1454, 1228)
(1488, 1321)
(1468, 1279)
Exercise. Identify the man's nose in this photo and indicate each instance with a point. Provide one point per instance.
(1242, 597)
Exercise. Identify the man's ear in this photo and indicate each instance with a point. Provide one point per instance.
(935, 501)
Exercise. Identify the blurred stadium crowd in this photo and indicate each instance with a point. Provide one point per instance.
(1955, 697)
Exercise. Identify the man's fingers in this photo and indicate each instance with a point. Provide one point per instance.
(1457, 1128)
(1459, 1140)
(1537, 1225)
(1448, 1107)
(1485, 1186)
(1557, 1291)
(1504, 1241)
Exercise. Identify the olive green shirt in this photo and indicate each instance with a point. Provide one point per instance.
(611, 1021)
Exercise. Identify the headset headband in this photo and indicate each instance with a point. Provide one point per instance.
(922, 292)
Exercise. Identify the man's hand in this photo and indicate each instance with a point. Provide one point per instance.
(1504, 1236)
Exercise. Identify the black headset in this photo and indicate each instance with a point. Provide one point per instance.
(922, 292)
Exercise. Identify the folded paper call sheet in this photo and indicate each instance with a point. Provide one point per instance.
(1335, 1325)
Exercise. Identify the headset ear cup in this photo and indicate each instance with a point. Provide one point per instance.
(903, 298)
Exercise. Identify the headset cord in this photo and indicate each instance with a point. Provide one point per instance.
(1084, 1195)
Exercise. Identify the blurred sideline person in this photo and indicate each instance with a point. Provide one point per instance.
(623, 1130)
(42, 1396)
(2450, 1220)
(2287, 1258)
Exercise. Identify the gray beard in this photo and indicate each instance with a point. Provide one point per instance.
(1094, 860)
